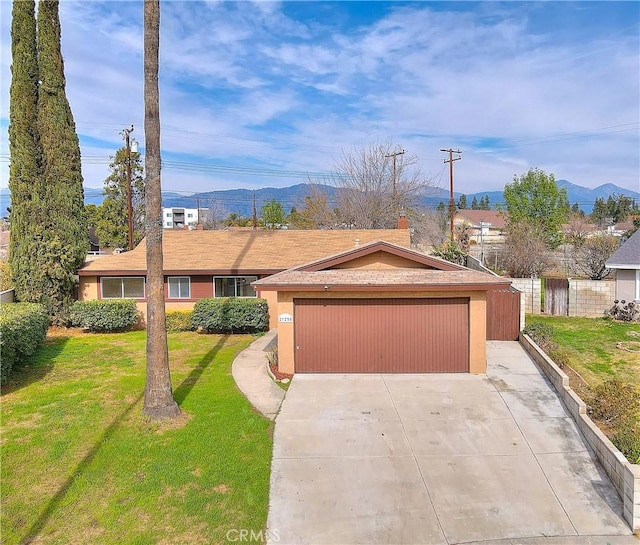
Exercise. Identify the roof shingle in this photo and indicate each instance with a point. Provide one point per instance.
(268, 251)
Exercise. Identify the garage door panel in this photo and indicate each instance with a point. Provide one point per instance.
(382, 335)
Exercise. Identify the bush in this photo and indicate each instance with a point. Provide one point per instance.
(23, 326)
(231, 315)
(180, 320)
(615, 401)
(6, 280)
(542, 334)
(105, 316)
(627, 439)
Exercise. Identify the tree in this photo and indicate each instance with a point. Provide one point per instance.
(462, 202)
(24, 148)
(591, 255)
(112, 227)
(535, 199)
(526, 252)
(49, 220)
(474, 203)
(484, 203)
(158, 395)
(600, 213)
(450, 251)
(272, 214)
(577, 211)
(316, 212)
(372, 191)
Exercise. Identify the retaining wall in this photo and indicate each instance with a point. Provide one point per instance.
(7, 296)
(624, 475)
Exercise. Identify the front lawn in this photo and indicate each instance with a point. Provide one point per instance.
(80, 465)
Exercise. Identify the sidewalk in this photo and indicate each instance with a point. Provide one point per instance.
(249, 370)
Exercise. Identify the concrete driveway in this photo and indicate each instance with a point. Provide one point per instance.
(437, 459)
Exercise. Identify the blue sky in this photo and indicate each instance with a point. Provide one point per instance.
(257, 94)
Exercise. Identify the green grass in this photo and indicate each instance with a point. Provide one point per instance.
(81, 465)
(590, 344)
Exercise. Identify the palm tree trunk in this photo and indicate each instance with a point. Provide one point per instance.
(158, 395)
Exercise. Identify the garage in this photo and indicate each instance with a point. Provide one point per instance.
(381, 308)
(394, 335)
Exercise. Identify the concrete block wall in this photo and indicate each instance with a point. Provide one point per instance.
(532, 289)
(7, 296)
(590, 298)
(624, 475)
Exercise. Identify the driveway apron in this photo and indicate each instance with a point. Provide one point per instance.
(437, 459)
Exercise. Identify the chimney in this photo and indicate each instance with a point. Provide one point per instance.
(403, 223)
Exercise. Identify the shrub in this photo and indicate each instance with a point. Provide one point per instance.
(6, 280)
(105, 316)
(542, 334)
(561, 356)
(627, 439)
(231, 315)
(180, 320)
(23, 326)
(615, 401)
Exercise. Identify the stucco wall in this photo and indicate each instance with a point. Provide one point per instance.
(477, 322)
(380, 261)
(88, 288)
(625, 285)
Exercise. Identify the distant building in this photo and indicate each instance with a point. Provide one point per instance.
(179, 218)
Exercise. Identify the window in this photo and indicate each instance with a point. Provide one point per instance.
(124, 287)
(234, 286)
(169, 214)
(189, 215)
(179, 287)
(169, 224)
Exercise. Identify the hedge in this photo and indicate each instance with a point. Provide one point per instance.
(23, 326)
(180, 320)
(231, 315)
(105, 316)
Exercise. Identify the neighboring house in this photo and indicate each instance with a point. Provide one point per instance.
(4, 242)
(179, 218)
(201, 264)
(484, 226)
(626, 262)
(381, 308)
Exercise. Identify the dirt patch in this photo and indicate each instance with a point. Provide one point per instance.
(173, 424)
(222, 488)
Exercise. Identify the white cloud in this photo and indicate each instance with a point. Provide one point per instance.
(249, 83)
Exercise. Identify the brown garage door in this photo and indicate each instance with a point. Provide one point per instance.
(382, 335)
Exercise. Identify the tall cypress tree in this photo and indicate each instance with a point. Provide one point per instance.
(24, 148)
(64, 241)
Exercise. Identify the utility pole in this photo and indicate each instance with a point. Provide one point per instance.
(125, 134)
(393, 156)
(255, 213)
(451, 159)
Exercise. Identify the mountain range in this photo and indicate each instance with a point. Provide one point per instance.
(240, 201)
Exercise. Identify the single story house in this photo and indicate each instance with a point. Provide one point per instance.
(200, 264)
(381, 308)
(626, 262)
(484, 226)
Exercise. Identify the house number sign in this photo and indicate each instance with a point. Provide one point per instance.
(285, 319)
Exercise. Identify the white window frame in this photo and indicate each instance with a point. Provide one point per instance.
(235, 285)
(122, 279)
(180, 296)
